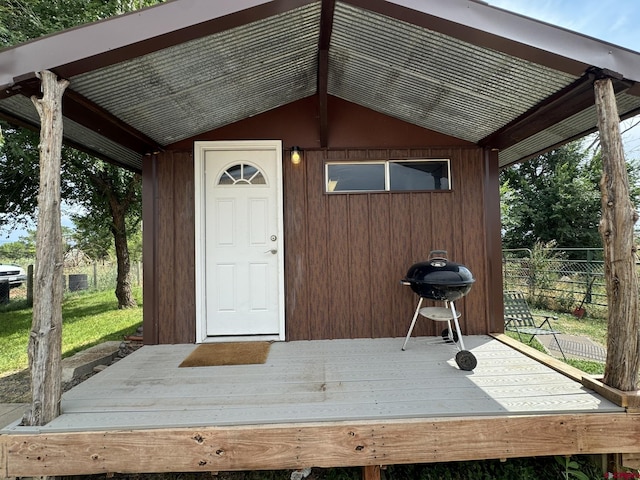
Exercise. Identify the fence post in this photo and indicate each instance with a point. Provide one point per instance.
(532, 276)
(5, 288)
(95, 275)
(30, 285)
(589, 286)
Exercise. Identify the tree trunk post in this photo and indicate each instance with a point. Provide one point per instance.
(45, 341)
(616, 229)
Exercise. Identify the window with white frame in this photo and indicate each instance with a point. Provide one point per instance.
(388, 175)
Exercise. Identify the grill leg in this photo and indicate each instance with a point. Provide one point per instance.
(413, 324)
(457, 324)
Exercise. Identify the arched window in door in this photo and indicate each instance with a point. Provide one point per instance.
(242, 174)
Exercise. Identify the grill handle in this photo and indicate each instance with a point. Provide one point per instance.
(441, 254)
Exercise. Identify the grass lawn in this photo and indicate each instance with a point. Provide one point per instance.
(88, 318)
(593, 328)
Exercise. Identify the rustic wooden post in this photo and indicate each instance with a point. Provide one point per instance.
(616, 229)
(45, 341)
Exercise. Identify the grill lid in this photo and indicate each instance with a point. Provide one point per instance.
(437, 272)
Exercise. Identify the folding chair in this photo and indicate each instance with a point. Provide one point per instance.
(518, 318)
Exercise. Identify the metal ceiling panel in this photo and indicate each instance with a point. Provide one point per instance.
(21, 107)
(422, 76)
(574, 126)
(430, 79)
(213, 81)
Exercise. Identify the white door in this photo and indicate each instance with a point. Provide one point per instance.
(239, 259)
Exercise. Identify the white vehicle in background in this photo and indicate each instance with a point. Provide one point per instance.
(14, 274)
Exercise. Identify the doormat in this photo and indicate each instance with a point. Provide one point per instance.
(235, 353)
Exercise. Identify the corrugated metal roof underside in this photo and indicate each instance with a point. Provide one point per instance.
(402, 70)
(213, 81)
(573, 126)
(22, 107)
(430, 79)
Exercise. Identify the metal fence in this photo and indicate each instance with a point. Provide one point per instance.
(94, 276)
(564, 279)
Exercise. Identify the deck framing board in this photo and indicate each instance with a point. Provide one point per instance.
(328, 444)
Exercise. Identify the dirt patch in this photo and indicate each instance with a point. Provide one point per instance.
(16, 387)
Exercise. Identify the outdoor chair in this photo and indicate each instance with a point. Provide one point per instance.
(518, 318)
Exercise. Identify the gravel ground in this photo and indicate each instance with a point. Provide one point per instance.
(16, 387)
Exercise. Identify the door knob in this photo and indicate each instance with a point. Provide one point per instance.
(272, 251)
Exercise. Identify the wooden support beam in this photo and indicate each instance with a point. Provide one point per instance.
(630, 460)
(371, 472)
(323, 97)
(616, 228)
(567, 102)
(85, 112)
(324, 41)
(324, 445)
(45, 340)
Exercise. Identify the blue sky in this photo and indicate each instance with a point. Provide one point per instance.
(614, 21)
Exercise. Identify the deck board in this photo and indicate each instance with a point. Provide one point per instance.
(321, 381)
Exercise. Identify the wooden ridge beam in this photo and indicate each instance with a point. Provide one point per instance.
(324, 41)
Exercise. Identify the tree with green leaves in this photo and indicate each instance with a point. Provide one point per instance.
(110, 196)
(27, 19)
(114, 199)
(554, 197)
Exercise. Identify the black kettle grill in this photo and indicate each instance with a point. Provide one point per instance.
(441, 280)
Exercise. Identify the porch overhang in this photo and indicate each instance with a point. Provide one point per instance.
(144, 81)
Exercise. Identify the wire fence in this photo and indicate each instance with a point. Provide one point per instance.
(562, 279)
(77, 277)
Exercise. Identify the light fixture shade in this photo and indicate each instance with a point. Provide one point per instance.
(296, 155)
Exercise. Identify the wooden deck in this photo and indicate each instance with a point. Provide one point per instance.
(312, 397)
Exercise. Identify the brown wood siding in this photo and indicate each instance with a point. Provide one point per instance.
(344, 253)
(347, 263)
(169, 249)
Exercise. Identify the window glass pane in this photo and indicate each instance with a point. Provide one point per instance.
(427, 175)
(234, 173)
(242, 174)
(355, 177)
